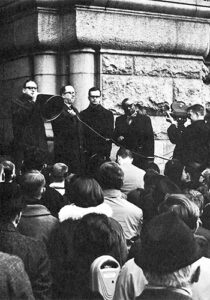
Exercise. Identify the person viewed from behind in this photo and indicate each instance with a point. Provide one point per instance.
(134, 132)
(102, 121)
(36, 221)
(127, 214)
(31, 251)
(133, 176)
(36, 160)
(58, 175)
(85, 196)
(186, 208)
(95, 235)
(167, 256)
(15, 283)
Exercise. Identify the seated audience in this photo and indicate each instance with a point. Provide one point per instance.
(15, 283)
(133, 176)
(36, 220)
(167, 256)
(127, 214)
(58, 175)
(31, 251)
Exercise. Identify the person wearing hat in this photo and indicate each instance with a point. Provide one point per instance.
(168, 251)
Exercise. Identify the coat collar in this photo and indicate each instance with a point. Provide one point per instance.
(35, 210)
(74, 212)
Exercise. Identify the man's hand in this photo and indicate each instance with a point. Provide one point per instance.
(120, 138)
(71, 112)
(170, 119)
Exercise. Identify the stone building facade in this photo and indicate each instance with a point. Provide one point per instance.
(152, 51)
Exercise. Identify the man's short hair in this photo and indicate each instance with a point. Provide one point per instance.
(59, 170)
(94, 89)
(63, 89)
(196, 108)
(123, 103)
(123, 152)
(28, 80)
(31, 183)
(111, 176)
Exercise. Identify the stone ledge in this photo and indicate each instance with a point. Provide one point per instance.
(90, 27)
(190, 8)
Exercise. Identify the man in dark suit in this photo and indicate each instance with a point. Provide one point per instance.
(27, 122)
(68, 137)
(134, 132)
(31, 251)
(196, 138)
(101, 120)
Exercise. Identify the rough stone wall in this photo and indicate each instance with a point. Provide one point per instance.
(153, 80)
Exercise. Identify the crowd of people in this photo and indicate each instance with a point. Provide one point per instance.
(55, 220)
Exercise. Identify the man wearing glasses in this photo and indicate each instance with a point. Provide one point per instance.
(68, 137)
(100, 120)
(28, 125)
(134, 132)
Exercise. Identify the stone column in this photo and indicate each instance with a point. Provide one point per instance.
(45, 71)
(82, 68)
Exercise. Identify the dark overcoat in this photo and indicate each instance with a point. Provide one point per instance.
(68, 140)
(101, 120)
(138, 136)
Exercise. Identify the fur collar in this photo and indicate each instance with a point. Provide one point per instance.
(75, 212)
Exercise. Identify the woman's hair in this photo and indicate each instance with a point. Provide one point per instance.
(96, 235)
(185, 209)
(111, 176)
(84, 192)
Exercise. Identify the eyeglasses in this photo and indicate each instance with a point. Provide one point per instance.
(94, 96)
(71, 93)
(31, 87)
